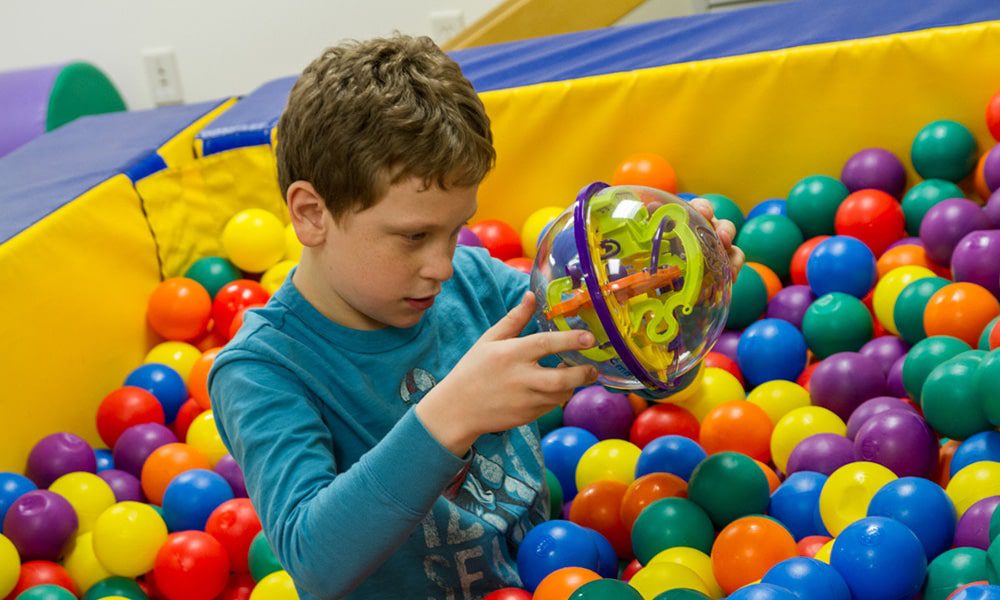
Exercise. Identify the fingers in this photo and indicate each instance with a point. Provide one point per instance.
(513, 322)
(556, 381)
(726, 231)
(539, 345)
(704, 207)
(736, 260)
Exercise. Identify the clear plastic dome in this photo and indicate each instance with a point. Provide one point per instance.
(642, 271)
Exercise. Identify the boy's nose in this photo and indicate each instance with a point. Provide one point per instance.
(438, 266)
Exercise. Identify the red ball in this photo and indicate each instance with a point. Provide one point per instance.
(234, 296)
(663, 419)
(502, 241)
(993, 116)
(234, 523)
(872, 216)
(994, 339)
(508, 594)
(811, 544)
(237, 321)
(185, 416)
(801, 257)
(806, 375)
(632, 568)
(123, 408)
(191, 565)
(41, 572)
(522, 264)
(240, 587)
(179, 309)
(721, 361)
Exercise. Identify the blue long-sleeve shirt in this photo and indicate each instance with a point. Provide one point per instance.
(349, 485)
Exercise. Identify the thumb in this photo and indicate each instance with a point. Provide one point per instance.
(513, 322)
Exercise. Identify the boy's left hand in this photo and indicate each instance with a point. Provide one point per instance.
(725, 230)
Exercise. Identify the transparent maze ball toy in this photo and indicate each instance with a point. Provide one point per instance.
(642, 271)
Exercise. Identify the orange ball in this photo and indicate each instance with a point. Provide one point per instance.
(747, 548)
(737, 426)
(771, 280)
(772, 478)
(648, 169)
(165, 463)
(906, 255)
(979, 178)
(598, 507)
(960, 310)
(197, 381)
(179, 309)
(942, 474)
(561, 583)
(646, 490)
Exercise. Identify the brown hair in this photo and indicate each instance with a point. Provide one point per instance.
(366, 115)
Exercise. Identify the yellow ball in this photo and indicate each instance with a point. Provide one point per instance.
(180, 356)
(276, 586)
(533, 227)
(888, 289)
(254, 240)
(694, 559)
(127, 537)
(613, 460)
(799, 424)
(847, 492)
(88, 494)
(10, 566)
(293, 247)
(778, 398)
(275, 276)
(973, 483)
(823, 554)
(204, 436)
(686, 395)
(654, 579)
(717, 387)
(82, 565)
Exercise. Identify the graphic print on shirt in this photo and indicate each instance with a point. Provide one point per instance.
(415, 386)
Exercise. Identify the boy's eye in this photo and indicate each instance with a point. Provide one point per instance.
(415, 237)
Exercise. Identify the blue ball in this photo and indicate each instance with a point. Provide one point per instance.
(104, 459)
(551, 546)
(923, 507)
(808, 579)
(796, 504)
(607, 559)
(164, 383)
(12, 487)
(771, 206)
(879, 558)
(562, 449)
(763, 591)
(670, 454)
(984, 445)
(771, 349)
(979, 592)
(686, 196)
(191, 497)
(841, 264)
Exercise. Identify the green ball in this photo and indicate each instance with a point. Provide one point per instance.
(993, 561)
(984, 383)
(949, 401)
(550, 421)
(555, 495)
(115, 586)
(213, 273)
(607, 589)
(922, 197)
(668, 523)
(262, 560)
(46, 591)
(770, 240)
(984, 338)
(813, 203)
(953, 569)
(835, 323)
(944, 150)
(727, 486)
(681, 594)
(994, 526)
(725, 208)
(749, 299)
(908, 312)
(924, 356)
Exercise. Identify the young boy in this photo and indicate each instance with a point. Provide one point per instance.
(381, 404)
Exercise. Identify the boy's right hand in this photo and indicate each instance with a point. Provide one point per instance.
(499, 385)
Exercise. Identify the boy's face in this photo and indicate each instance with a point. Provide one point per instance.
(384, 266)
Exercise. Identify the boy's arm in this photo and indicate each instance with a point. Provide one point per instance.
(330, 530)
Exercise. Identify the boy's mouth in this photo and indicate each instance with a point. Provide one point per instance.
(421, 303)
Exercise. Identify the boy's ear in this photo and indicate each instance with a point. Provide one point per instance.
(308, 212)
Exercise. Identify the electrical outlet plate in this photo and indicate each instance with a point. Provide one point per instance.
(446, 24)
(163, 75)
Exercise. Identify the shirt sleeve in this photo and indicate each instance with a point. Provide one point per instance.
(330, 529)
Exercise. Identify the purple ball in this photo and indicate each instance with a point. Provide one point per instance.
(907, 241)
(992, 209)
(605, 414)
(466, 237)
(136, 444)
(57, 454)
(899, 440)
(946, 223)
(991, 169)
(790, 304)
(125, 486)
(727, 344)
(233, 475)
(870, 408)
(40, 524)
(844, 380)
(874, 168)
(976, 259)
(973, 528)
(894, 381)
(885, 350)
(823, 453)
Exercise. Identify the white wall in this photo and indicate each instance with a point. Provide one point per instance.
(223, 47)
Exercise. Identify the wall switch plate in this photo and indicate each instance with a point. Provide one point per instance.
(163, 75)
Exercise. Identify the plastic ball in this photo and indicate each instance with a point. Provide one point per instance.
(46, 592)
(261, 558)
(771, 206)
(254, 240)
(125, 407)
(800, 260)
(197, 381)
(796, 504)
(728, 486)
(726, 209)
(874, 168)
(717, 386)
(960, 310)
(790, 304)
(104, 459)
(293, 247)
(533, 227)
(973, 528)
(657, 578)
(191, 497)
(770, 278)
(908, 311)
(879, 558)
(747, 548)
(844, 380)
(605, 414)
(841, 264)
(660, 420)
(88, 494)
(562, 450)
(836, 323)
(905, 255)
(82, 564)
(136, 443)
(921, 197)
(848, 491)
(771, 349)
(950, 401)
(888, 290)
(561, 583)
(233, 475)
(602, 589)
(185, 416)
(500, 239)
(813, 202)
(981, 446)
(922, 506)
(510, 594)
(553, 545)
(695, 560)
(984, 384)
(212, 272)
(165, 463)
(179, 309)
(946, 223)
(164, 383)
(808, 578)
(990, 329)
(872, 407)
(179, 356)
(821, 453)
(669, 523)
(57, 454)
(597, 506)
(973, 483)
(612, 460)
(737, 426)
(40, 524)
(771, 240)
(885, 350)
(276, 586)
(42, 573)
(115, 587)
(992, 209)
(799, 424)
(951, 570)
(991, 169)
(778, 397)
(191, 565)
(125, 486)
(12, 487)
(900, 440)
(204, 437)
(646, 169)
(925, 356)
(674, 454)
(127, 537)
(944, 150)
(276, 275)
(10, 565)
(749, 299)
(872, 216)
